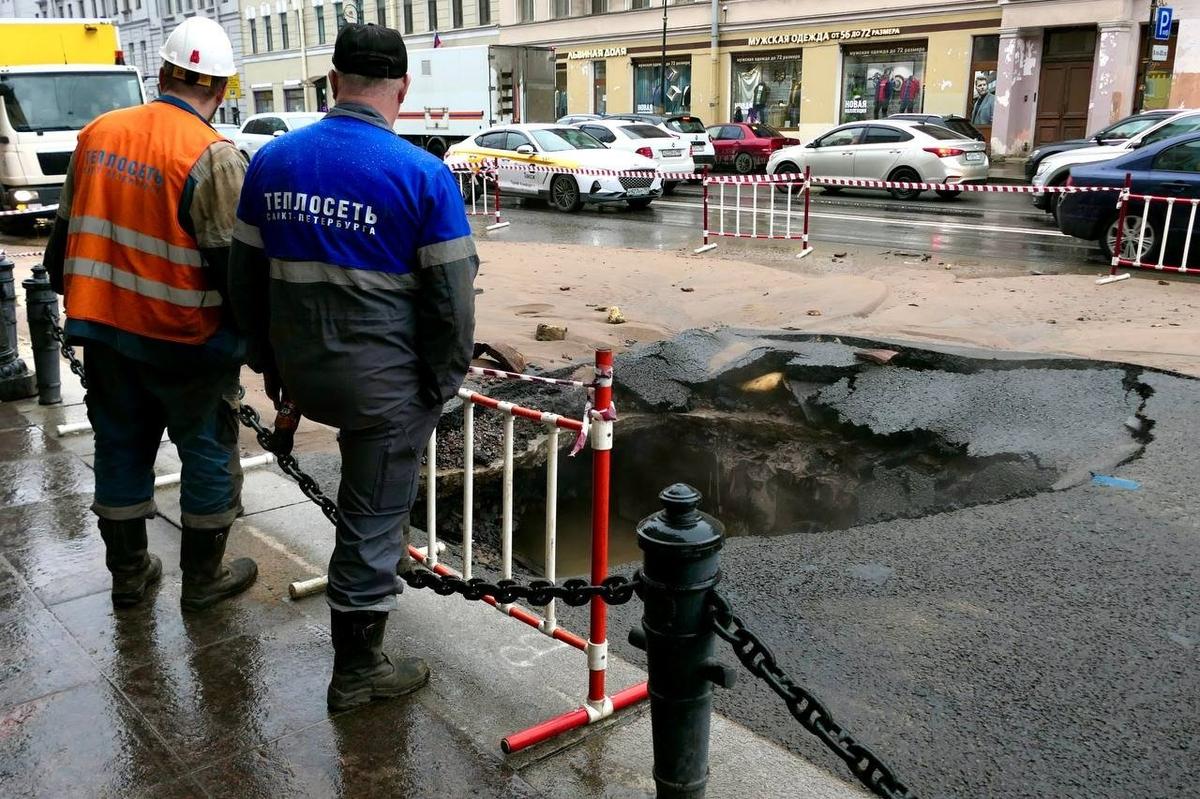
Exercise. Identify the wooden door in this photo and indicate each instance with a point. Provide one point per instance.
(1063, 92)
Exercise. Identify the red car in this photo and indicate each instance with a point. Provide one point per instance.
(746, 146)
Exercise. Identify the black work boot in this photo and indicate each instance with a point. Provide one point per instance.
(206, 580)
(133, 569)
(361, 671)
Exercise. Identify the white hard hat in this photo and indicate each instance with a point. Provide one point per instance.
(200, 45)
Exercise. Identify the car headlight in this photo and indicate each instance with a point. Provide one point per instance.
(1035, 155)
(1042, 169)
(24, 196)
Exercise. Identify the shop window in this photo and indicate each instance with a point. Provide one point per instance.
(560, 91)
(1069, 44)
(880, 81)
(650, 90)
(293, 99)
(599, 87)
(981, 106)
(1156, 67)
(766, 88)
(264, 101)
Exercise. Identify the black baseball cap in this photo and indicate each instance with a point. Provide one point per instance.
(370, 50)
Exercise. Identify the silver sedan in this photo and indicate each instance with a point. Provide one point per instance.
(894, 150)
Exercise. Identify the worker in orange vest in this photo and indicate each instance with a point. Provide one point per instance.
(140, 253)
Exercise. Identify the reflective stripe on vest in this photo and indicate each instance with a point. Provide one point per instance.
(130, 263)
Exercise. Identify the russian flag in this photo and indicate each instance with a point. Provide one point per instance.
(437, 40)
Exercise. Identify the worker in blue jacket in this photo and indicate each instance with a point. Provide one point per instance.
(351, 272)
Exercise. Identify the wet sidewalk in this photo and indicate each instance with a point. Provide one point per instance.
(231, 703)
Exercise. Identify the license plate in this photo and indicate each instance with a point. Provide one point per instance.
(697, 146)
(974, 158)
(672, 153)
(636, 192)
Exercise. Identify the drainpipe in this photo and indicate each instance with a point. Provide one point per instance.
(303, 51)
(715, 61)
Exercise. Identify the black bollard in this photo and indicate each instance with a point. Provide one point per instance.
(8, 300)
(681, 563)
(40, 299)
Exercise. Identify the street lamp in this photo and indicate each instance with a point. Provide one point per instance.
(662, 66)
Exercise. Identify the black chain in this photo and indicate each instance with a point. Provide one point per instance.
(288, 463)
(806, 708)
(615, 590)
(66, 349)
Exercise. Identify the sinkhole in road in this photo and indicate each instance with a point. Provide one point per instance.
(789, 434)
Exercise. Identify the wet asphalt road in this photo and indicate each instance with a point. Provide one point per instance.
(998, 229)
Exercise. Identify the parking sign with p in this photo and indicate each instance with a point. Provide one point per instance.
(1163, 16)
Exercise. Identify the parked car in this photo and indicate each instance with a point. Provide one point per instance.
(566, 147)
(686, 126)
(746, 146)
(889, 149)
(671, 153)
(1117, 133)
(1055, 169)
(261, 128)
(1167, 168)
(226, 130)
(571, 119)
(959, 125)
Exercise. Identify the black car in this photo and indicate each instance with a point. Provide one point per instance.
(958, 124)
(1119, 131)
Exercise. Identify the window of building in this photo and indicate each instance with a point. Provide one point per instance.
(525, 10)
(320, 24)
(485, 12)
(1156, 68)
(431, 11)
(985, 50)
(145, 59)
(562, 8)
(408, 16)
(266, 21)
(264, 101)
(381, 12)
(879, 81)
(253, 35)
(766, 88)
(650, 91)
(560, 90)
(456, 13)
(283, 31)
(293, 99)
(338, 19)
(599, 6)
(599, 87)
(635, 4)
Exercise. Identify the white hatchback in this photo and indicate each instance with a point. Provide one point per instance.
(894, 150)
(671, 153)
(261, 128)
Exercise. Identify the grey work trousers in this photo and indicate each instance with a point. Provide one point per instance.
(381, 467)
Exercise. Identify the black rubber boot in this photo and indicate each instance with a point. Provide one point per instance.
(361, 670)
(206, 580)
(133, 569)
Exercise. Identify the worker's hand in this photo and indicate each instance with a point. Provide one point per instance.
(273, 386)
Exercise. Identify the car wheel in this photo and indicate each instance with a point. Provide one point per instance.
(472, 186)
(743, 164)
(436, 147)
(1129, 238)
(670, 186)
(948, 194)
(905, 175)
(640, 203)
(787, 168)
(564, 194)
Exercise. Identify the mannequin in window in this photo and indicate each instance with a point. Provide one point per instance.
(910, 91)
(793, 104)
(737, 113)
(759, 101)
(883, 94)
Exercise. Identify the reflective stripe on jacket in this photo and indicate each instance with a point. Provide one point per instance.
(130, 263)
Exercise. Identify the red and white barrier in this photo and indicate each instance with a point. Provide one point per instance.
(480, 187)
(1148, 233)
(772, 218)
(596, 425)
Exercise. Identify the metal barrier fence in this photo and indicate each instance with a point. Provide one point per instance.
(480, 187)
(1155, 233)
(742, 222)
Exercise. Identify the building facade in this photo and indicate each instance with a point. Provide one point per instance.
(1023, 71)
(288, 44)
(20, 9)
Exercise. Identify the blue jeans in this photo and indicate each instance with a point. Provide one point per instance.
(130, 402)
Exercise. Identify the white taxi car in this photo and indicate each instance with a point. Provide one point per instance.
(669, 152)
(543, 147)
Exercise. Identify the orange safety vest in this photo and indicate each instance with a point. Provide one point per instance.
(130, 264)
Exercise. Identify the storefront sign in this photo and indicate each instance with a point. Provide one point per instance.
(1160, 52)
(821, 36)
(854, 106)
(598, 52)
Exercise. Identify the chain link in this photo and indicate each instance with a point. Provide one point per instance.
(806, 708)
(66, 349)
(288, 463)
(615, 590)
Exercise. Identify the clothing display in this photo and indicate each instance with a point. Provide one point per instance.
(767, 88)
(910, 90)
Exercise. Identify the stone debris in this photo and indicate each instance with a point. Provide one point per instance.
(813, 312)
(614, 316)
(547, 332)
(880, 357)
(505, 356)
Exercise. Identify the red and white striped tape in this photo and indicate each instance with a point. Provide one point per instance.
(968, 187)
(550, 381)
(33, 254)
(44, 209)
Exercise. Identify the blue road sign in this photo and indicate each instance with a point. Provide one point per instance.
(1163, 16)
